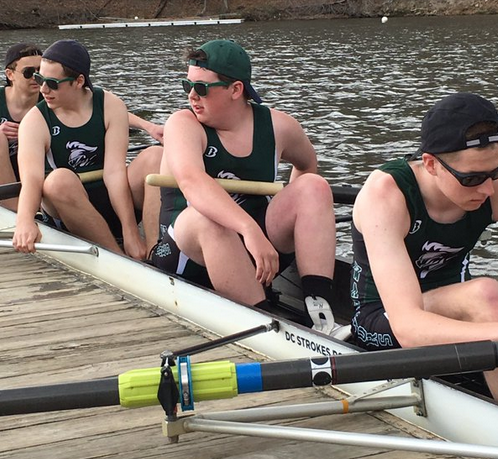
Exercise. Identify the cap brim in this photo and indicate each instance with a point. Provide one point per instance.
(252, 93)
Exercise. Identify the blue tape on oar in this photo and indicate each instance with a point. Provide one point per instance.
(249, 378)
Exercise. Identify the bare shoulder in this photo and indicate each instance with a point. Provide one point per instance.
(182, 116)
(283, 121)
(380, 200)
(183, 123)
(33, 123)
(111, 100)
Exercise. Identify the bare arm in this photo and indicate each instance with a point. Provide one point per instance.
(34, 140)
(293, 144)
(380, 214)
(115, 176)
(154, 130)
(185, 142)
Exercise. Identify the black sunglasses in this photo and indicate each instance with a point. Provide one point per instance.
(201, 88)
(469, 179)
(52, 83)
(28, 72)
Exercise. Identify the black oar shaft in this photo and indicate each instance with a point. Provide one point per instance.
(70, 396)
(10, 190)
(344, 194)
(420, 362)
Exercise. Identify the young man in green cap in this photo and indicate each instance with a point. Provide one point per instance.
(78, 128)
(240, 242)
(414, 225)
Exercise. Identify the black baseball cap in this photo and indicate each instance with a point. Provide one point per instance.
(445, 125)
(20, 50)
(72, 55)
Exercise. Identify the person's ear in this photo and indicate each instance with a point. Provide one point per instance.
(429, 162)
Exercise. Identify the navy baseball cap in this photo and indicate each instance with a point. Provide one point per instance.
(72, 55)
(20, 50)
(445, 125)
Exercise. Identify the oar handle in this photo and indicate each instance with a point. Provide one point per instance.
(89, 249)
(91, 176)
(231, 186)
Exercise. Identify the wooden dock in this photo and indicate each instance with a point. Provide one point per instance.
(152, 23)
(58, 325)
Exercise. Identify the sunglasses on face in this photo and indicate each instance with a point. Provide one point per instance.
(469, 179)
(201, 88)
(52, 83)
(28, 72)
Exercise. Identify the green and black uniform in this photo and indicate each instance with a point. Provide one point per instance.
(82, 149)
(5, 116)
(260, 165)
(439, 253)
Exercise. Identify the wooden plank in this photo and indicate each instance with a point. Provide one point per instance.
(60, 326)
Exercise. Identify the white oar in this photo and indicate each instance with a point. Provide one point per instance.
(89, 249)
(231, 186)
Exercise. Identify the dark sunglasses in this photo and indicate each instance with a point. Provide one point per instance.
(52, 83)
(469, 179)
(28, 72)
(201, 88)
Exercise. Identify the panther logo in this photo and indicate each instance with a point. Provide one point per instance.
(81, 155)
(435, 256)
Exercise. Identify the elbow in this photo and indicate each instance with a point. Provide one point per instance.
(406, 335)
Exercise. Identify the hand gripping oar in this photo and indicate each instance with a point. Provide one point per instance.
(342, 194)
(225, 379)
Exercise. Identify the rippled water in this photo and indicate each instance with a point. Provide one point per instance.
(359, 87)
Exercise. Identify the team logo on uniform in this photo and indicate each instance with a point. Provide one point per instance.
(416, 226)
(3, 120)
(56, 130)
(435, 256)
(211, 152)
(81, 155)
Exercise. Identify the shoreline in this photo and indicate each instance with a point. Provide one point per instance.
(29, 14)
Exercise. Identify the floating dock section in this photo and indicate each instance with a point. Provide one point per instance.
(188, 22)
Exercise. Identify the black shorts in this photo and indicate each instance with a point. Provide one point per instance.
(167, 256)
(371, 329)
(15, 166)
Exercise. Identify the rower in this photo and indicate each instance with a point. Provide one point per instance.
(238, 243)
(20, 94)
(79, 128)
(414, 224)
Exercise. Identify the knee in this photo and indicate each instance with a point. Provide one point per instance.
(485, 296)
(150, 159)
(61, 185)
(314, 189)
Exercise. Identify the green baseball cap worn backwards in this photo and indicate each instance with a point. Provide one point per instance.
(229, 59)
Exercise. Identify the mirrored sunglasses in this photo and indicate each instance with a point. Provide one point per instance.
(469, 179)
(201, 88)
(52, 83)
(28, 72)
